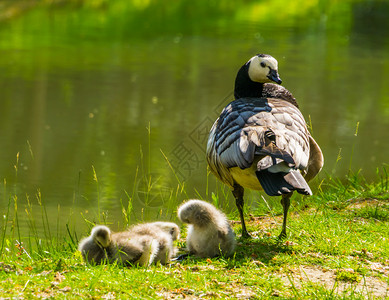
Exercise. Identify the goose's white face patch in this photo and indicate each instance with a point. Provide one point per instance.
(260, 67)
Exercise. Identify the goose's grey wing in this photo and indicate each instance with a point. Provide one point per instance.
(270, 132)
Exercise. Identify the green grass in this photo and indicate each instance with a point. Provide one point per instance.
(337, 247)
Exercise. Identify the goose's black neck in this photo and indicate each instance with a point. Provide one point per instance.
(244, 86)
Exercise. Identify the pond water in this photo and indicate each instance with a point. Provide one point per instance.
(105, 106)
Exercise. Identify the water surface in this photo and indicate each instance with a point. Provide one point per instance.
(102, 105)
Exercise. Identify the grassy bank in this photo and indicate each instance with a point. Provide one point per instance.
(337, 247)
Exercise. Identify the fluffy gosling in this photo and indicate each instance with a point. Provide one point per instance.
(142, 245)
(209, 233)
(164, 233)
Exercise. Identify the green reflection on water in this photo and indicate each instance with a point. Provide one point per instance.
(81, 83)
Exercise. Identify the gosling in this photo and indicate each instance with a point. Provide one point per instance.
(209, 233)
(169, 227)
(163, 232)
(104, 246)
(142, 245)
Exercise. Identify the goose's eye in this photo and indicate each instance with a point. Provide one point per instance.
(263, 64)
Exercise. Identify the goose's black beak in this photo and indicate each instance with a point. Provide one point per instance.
(273, 76)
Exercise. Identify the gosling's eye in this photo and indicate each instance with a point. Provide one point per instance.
(263, 64)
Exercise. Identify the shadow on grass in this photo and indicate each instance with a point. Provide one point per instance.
(261, 249)
(257, 250)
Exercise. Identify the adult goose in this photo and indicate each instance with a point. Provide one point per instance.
(260, 140)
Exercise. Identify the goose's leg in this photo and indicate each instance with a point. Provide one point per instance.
(285, 201)
(238, 192)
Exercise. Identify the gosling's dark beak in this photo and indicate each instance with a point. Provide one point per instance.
(273, 76)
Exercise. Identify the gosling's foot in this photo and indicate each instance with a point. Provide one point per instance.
(181, 257)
